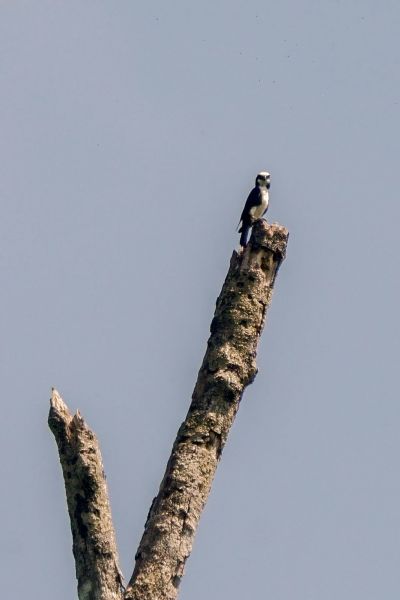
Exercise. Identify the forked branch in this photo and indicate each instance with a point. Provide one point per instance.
(228, 367)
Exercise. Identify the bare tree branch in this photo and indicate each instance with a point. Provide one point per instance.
(94, 547)
(228, 367)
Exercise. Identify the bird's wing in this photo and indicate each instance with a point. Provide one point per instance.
(252, 200)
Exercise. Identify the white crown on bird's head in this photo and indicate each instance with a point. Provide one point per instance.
(263, 179)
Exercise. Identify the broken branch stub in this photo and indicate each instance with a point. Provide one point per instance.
(94, 546)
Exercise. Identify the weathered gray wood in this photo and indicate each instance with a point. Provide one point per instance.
(228, 367)
(94, 547)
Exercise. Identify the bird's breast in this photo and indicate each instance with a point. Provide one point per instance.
(258, 210)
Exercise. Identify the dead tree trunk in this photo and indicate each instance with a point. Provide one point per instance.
(228, 367)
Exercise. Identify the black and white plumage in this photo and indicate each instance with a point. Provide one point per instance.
(256, 205)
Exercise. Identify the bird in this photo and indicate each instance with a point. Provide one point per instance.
(256, 205)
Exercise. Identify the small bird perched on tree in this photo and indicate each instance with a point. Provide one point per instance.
(256, 205)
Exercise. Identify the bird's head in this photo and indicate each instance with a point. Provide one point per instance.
(263, 179)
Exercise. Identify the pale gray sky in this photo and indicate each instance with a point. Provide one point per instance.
(131, 133)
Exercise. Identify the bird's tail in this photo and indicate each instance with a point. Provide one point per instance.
(244, 230)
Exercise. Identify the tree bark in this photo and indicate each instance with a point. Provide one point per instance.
(94, 547)
(228, 367)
